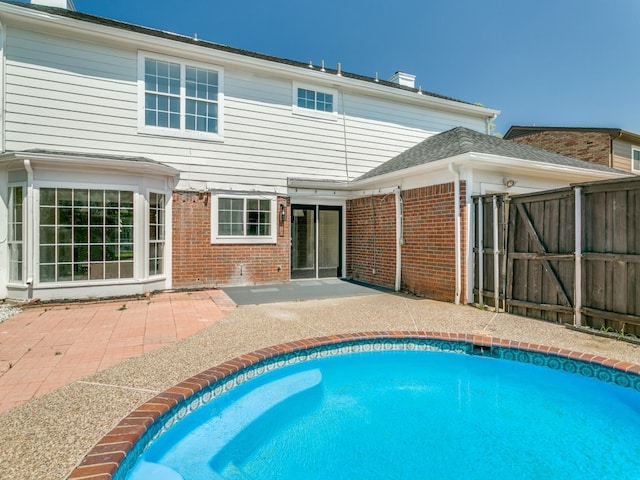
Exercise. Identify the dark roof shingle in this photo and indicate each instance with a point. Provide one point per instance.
(461, 140)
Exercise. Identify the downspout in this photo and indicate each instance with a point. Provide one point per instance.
(399, 236)
(457, 242)
(29, 254)
(344, 133)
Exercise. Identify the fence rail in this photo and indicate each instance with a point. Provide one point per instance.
(570, 255)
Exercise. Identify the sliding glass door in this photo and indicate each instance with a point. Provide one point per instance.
(316, 233)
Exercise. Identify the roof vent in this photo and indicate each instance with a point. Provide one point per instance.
(404, 79)
(66, 4)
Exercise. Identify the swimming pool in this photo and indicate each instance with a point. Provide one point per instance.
(322, 412)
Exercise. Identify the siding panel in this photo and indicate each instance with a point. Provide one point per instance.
(82, 97)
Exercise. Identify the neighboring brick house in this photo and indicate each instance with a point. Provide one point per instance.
(135, 160)
(612, 147)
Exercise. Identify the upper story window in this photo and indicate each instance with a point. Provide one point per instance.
(239, 219)
(179, 98)
(635, 159)
(314, 101)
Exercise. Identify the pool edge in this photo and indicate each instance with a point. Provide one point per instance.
(104, 459)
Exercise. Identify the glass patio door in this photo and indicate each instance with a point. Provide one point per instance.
(316, 241)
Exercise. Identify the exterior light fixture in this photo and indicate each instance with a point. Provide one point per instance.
(508, 182)
(283, 213)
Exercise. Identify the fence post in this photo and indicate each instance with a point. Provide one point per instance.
(577, 315)
(480, 231)
(496, 257)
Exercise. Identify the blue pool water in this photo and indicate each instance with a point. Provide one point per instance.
(405, 415)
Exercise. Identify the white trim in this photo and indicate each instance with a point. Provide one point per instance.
(174, 46)
(9, 242)
(637, 149)
(3, 82)
(166, 254)
(244, 239)
(182, 132)
(310, 112)
(138, 224)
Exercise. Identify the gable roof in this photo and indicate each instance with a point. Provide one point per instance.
(461, 140)
(84, 17)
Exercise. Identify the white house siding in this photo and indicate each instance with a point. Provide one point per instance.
(77, 95)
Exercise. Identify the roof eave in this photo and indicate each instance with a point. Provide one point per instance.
(177, 44)
(77, 161)
(485, 161)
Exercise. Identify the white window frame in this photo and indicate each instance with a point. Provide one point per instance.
(148, 239)
(310, 112)
(88, 281)
(635, 149)
(216, 238)
(181, 132)
(10, 240)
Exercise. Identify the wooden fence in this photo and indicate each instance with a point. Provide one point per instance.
(569, 256)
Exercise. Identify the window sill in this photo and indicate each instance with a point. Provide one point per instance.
(307, 112)
(174, 133)
(244, 241)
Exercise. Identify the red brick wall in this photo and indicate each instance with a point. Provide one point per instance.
(594, 147)
(371, 240)
(428, 253)
(196, 262)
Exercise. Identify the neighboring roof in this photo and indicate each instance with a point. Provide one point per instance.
(214, 46)
(521, 131)
(460, 140)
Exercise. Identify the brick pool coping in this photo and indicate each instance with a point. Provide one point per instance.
(104, 459)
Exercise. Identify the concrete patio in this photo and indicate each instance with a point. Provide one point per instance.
(46, 437)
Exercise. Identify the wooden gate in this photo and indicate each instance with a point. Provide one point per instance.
(491, 213)
(570, 255)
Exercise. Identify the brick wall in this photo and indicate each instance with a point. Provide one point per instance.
(196, 262)
(428, 253)
(594, 147)
(371, 240)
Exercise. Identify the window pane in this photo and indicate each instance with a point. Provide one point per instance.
(64, 253)
(64, 272)
(47, 196)
(47, 216)
(80, 235)
(64, 197)
(47, 273)
(47, 235)
(65, 216)
(80, 198)
(47, 254)
(81, 271)
(96, 198)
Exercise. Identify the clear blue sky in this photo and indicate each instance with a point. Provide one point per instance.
(542, 62)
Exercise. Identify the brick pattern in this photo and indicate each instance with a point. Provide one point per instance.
(104, 459)
(428, 253)
(371, 240)
(198, 263)
(593, 147)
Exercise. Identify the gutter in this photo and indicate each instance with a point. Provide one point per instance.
(399, 237)
(30, 240)
(457, 242)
